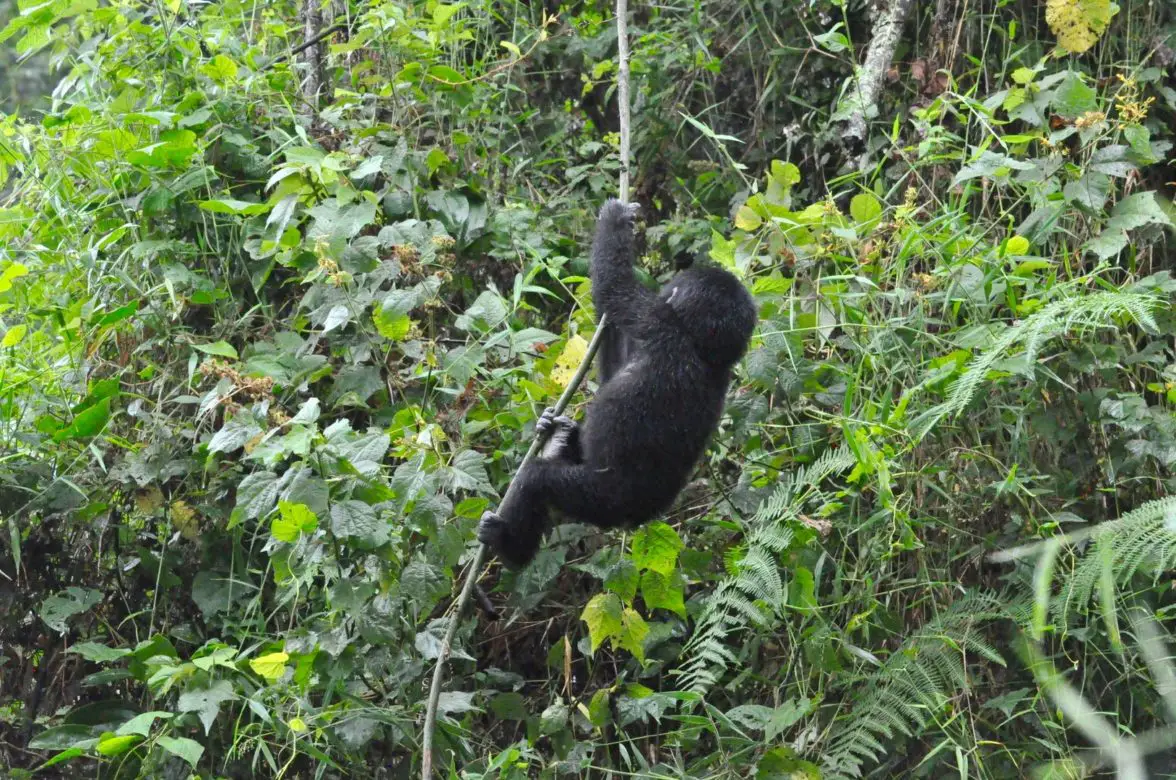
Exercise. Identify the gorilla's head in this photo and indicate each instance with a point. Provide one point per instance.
(715, 310)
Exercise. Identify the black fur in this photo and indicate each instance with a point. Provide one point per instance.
(664, 375)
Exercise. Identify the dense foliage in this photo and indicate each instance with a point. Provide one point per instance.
(276, 323)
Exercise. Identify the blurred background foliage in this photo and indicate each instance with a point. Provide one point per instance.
(276, 321)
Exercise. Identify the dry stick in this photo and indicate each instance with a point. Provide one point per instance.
(623, 95)
(475, 566)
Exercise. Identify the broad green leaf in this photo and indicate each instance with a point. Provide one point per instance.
(865, 208)
(632, 634)
(234, 434)
(188, 749)
(232, 206)
(661, 592)
(256, 494)
(293, 521)
(656, 547)
(446, 75)
(12, 272)
(219, 348)
(87, 423)
(220, 69)
(115, 745)
(1017, 245)
(206, 702)
(354, 518)
(92, 651)
(141, 723)
(56, 610)
(390, 325)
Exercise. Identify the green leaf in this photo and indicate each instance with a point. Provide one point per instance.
(141, 723)
(354, 518)
(188, 749)
(57, 609)
(219, 348)
(270, 666)
(1074, 97)
(656, 547)
(115, 745)
(206, 702)
(221, 69)
(232, 206)
(92, 651)
(632, 634)
(294, 521)
(1017, 245)
(747, 219)
(603, 616)
(622, 579)
(256, 494)
(390, 325)
(87, 423)
(234, 434)
(662, 592)
(446, 75)
(865, 208)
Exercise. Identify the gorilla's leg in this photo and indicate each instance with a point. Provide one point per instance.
(580, 492)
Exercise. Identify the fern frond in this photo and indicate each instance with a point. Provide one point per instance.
(753, 573)
(1143, 538)
(1079, 313)
(897, 699)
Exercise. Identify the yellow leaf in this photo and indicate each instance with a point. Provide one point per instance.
(270, 666)
(297, 724)
(1078, 23)
(14, 335)
(569, 360)
(185, 519)
(1017, 245)
(746, 219)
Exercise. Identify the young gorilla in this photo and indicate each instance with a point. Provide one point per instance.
(664, 371)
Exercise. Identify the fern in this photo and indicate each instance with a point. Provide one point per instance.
(755, 576)
(1145, 537)
(1078, 313)
(899, 697)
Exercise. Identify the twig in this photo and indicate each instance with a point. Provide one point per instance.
(623, 94)
(475, 567)
(334, 28)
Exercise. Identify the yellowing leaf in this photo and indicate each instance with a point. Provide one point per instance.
(1078, 23)
(11, 271)
(185, 519)
(569, 360)
(270, 666)
(1017, 245)
(747, 219)
(14, 336)
(297, 724)
(603, 616)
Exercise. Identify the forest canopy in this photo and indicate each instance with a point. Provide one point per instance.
(285, 286)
